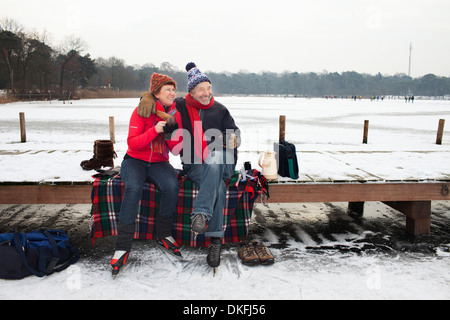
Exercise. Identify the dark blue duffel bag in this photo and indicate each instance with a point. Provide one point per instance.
(39, 252)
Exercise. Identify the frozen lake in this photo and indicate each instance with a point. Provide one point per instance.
(327, 134)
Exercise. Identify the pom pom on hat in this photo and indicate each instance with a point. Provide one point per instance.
(195, 76)
(190, 65)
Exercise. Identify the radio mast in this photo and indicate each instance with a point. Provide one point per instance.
(410, 53)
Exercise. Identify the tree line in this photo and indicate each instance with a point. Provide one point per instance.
(29, 64)
(335, 84)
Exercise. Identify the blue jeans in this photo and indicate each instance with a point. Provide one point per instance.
(210, 177)
(134, 173)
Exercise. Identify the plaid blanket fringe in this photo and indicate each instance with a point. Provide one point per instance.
(107, 196)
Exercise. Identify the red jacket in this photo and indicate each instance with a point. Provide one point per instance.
(144, 142)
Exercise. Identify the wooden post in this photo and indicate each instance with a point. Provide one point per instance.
(366, 131)
(356, 208)
(23, 132)
(418, 215)
(112, 130)
(440, 132)
(282, 128)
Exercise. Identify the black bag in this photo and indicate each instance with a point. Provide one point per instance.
(39, 252)
(287, 159)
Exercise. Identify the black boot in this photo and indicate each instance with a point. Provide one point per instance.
(124, 242)
(104, 155)
(199, 223)
(215, 248)
(163, 227)
(125, 235)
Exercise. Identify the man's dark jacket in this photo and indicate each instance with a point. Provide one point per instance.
(216, 117)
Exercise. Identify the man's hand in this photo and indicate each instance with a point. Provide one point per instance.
(231, 141)
(147, 105)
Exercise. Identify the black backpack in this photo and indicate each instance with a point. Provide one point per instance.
(287, 159)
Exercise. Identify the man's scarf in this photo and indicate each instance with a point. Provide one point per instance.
(200, 144)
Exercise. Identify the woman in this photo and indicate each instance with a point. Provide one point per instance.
(147, 159)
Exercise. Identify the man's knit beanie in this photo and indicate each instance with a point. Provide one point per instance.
(195, 76)
(159, 80)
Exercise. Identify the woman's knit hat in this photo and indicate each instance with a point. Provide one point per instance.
(195, 76)
(159, 80)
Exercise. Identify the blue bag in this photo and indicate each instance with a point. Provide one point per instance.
(39, 252)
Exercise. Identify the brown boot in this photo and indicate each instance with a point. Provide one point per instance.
(247, 253)
(103, 156)
(264, 255)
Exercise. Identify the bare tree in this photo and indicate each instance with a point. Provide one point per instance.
(72, 43)
(69, 49)
(8, 24)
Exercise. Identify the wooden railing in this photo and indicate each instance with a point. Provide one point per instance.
(411, 198)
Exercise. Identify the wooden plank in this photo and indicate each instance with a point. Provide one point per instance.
(412, 199)
(279, 193)
(356, 192)
(43, 194)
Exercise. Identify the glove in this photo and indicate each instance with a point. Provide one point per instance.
(169, 128)
(230, 141)
(147, 105)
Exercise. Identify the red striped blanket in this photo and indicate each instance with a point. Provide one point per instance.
(107, 196)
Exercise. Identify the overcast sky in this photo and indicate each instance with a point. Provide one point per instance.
(253, 35)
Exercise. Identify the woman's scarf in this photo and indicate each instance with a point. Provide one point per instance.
(159, 144)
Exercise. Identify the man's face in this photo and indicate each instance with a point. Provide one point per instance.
(202, 92)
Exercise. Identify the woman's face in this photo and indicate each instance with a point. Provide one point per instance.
(166, 95)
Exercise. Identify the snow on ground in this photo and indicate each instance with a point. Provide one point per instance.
(321, 252)
(305, 275)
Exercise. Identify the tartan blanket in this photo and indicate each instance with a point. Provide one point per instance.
(107, 193)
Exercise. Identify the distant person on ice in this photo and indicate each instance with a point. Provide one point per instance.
(147, 159)
(209, 154)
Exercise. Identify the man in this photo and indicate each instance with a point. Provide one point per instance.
(209, 154)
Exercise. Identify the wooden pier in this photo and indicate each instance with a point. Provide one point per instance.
(413, 199)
